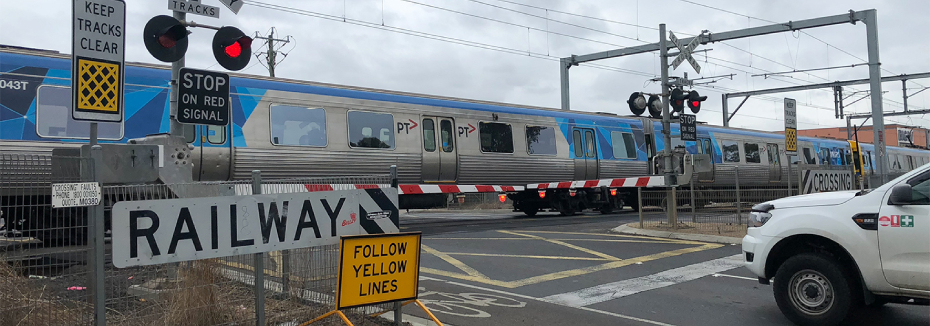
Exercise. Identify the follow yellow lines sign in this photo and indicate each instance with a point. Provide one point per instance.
(378, 268)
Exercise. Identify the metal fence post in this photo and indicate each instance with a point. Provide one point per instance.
(97, 225)
(789, 178)
(398, 312)
(258, 262)
(693, 213)
(674, 209)
(739, 212)
(639, 200)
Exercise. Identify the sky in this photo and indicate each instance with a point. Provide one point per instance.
(508, 50)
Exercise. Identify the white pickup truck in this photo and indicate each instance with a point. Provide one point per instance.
(827, 254)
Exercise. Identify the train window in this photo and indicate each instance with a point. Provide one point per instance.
(429, 135)
(752, 153)
(445, 133)
(773, 154)
(190, 133)
(825, 158)
(809, 155)
(910, 162)
(370, 129)
(623, 144)
(576, 136)
(496, 137)
(730, 151)
(297, 126)
(842, 156)
(895, 163)
(708, 149)
(866, 162)
(589, 141)
(53, 117)
(216, 134)
(540, 140)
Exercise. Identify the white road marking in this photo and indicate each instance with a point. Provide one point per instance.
(734, 276)
(619, 289)
(647, 321)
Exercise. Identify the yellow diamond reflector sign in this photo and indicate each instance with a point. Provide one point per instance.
(98, 86)
(378, 268)
(791, 139)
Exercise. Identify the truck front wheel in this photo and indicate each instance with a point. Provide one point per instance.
(812, 289)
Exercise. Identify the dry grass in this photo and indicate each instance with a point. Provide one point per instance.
(23, 303)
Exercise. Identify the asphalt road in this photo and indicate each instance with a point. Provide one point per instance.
(500, 268)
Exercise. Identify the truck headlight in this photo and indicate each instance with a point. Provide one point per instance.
(760, 214)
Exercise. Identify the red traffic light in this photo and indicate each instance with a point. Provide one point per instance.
(678, 100)
(232, 48)
(694, 101)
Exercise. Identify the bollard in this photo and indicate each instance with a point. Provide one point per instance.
(96, 228)
(639, 200)
(258, 262)
(739, 212)
(398, 314)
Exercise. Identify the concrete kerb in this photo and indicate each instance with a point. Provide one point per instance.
(631, 229)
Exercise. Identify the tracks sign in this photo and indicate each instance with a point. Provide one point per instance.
(97, 59)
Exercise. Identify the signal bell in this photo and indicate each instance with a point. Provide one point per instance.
(637, 103)
(655, 106)
(232, 48)
(694, 101)
(165, 38)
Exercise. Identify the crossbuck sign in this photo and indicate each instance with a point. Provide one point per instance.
(685, 52)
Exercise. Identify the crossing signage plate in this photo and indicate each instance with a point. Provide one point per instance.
(688, 125)
(233, 5)
(791, 125)
(685, 52)
(97, 59)
(194, 7)
(378, 268)
(203, 97)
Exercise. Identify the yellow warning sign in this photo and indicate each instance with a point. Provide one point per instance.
(98, 86)
(378, 268)
(791, 139)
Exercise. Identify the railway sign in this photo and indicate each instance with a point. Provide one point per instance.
(378, 268)
(75, 194)
(203, 97)
(194, 7)
(791, 125)
(815, 181)
(152, 232)
(685, 52)
(688, 125)
(97, 59)
(233, 5)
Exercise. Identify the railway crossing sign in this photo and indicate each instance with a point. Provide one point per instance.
(203, 97)
(791, 125)
(688, 126)
(233, 5)
(685, 52)
(97, 59)
(194, 7)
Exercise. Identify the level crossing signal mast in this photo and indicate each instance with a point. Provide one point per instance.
(165, 37)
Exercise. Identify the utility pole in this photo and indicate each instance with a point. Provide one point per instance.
(271, 56)
(666, 122)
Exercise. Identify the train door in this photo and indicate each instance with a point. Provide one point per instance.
(585, 141)
(440, 157)
(774, 162)
(212, 151)
(705, 147)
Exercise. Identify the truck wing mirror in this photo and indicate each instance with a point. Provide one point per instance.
(901, 195)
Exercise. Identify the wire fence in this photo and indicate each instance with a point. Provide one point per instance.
(47, 270)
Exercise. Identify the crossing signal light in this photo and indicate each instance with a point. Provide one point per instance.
(165, 38)
(655, 106)
(694, 101)
(232, 48)
(678, 100)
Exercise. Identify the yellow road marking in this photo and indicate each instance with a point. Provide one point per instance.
(455, 262)
(620, 236)
(568, 273)
(566, 239)
(582, 249)
(525, 256)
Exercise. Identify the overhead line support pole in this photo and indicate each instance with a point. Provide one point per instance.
(875, 85)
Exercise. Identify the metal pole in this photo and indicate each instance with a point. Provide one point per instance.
(904, 92)
(271, 54)
(789, 174)
(848, 128)
(875, 87)
(258, 262)
(639, 200)
(726, 117)
(93, 133)
(394, 176)
(693, 214)
(97, 258)
(666, 117)
(175, 127)
(739, 211)
(398, 312)
(564, 64)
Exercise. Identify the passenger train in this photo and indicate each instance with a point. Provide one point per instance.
(289, 128)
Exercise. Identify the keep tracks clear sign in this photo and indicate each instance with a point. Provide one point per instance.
(97, 59)
(378, 268)
(173, 230)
